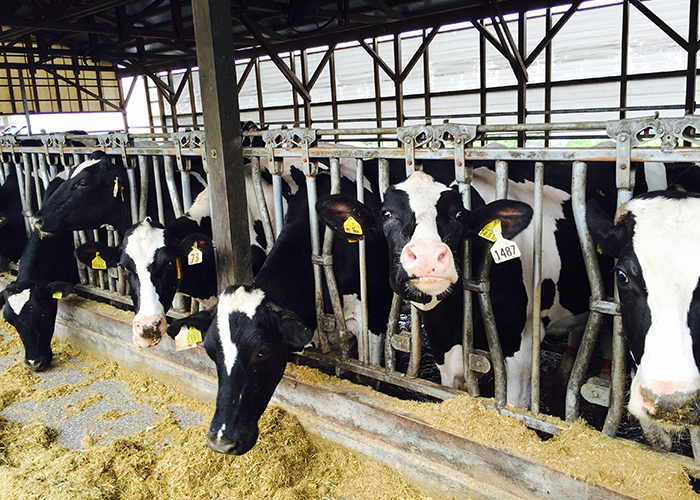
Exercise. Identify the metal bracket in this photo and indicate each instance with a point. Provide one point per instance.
(401, 341)
(437, 137)
(289, 138)
(480, 361)
(605, 307)
(477, 285)
(322, 260)
(115, 140)
(193, 139)
(669, 130)
(597, 391)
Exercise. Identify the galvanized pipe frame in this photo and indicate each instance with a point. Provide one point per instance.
(503, 154)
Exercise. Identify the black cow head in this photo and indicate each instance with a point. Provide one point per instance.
(656, 239)
(249, 338)
(424, 223)
(96, 193)
(31, 308)
(155, 261)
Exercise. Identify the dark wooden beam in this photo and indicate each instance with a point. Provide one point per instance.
(224, 148)
(551, 34)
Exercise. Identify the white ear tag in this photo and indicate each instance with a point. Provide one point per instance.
(503, 249)
(195, 256)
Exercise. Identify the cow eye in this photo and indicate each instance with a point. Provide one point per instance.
(83, 184)
(459, 215)
(387, 214)
(622, 278)
(264, 352)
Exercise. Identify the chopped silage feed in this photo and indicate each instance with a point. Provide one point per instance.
(165, 460)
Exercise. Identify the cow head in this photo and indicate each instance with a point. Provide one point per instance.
(31, 308)
(96, 193)
(249, 338)
(656, 239)
(423, 222)
(155, 261)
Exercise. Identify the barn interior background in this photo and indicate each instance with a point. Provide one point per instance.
(529, 74)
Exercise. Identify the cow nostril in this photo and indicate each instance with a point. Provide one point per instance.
(410, 255)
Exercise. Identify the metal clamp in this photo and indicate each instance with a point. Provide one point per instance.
(669, 130)
(604, 307)
(322, 260)
(483, 286)
(288, 139)
(115, 140)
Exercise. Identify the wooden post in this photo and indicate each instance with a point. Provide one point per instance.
(224, 150)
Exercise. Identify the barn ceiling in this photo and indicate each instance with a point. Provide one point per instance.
(147, 36)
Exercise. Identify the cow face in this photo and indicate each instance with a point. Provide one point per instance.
(248, 337)
(423, 222)
(96, 193)
(31, 308)
(657, 242)
(155, 262)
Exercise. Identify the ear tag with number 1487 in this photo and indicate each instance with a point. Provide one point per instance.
(503, 249)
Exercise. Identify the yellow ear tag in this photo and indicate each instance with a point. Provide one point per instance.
(351, 226)
(193, 335)
(122, 191)
(195, 255)
(503, 249)
(116, 188)
(487, 231)
(57, 295)
(187, 338)
(98, 262)
(178, 268)
(598, 249)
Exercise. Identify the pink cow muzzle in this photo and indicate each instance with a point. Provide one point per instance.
(430, 264)
(149, 331)
(670, 403)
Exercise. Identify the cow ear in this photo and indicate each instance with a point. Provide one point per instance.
(199, 241)
(346, 216)
(294, 332)
(200, 320)
(610, 237)
(59, 289)
(3, 219)
(514, 216)
(87, 253)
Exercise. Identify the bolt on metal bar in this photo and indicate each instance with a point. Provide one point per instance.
(595, 318)
(537, 287)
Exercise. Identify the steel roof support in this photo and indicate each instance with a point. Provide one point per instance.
(224, 149)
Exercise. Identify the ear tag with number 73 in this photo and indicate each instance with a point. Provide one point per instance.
(195, 256)
(503, 249)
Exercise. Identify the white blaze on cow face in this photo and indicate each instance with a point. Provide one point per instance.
(82, 167)
(241, 301)
(669, 258)
(425, 256)
(141, 246)
(18, 300)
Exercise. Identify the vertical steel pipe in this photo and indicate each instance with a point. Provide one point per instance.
(262, 203)
(133, 199)
(143, 192)
(159, 188)
(360, 185)
(578, 201)
(414, 357)
(172, 188)
(537, 288)
(186, 188)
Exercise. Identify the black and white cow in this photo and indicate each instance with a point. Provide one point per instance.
(251, 330)
(424, 224)
(155, 261)
(47, 272)
(656, 239)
